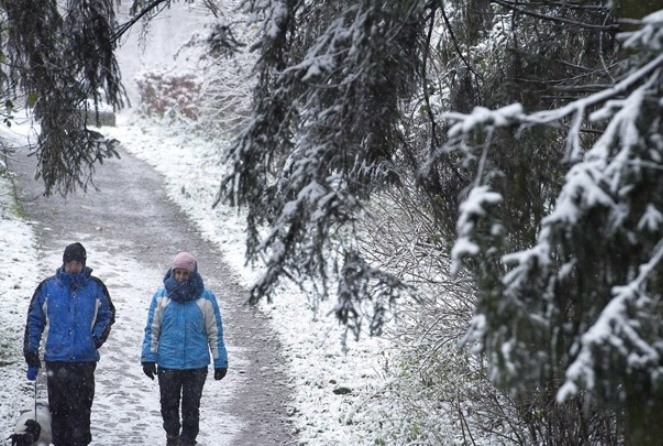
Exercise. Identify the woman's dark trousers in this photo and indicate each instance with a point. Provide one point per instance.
(186, 385)
(70, 394)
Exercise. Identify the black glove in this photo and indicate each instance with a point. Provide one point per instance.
(219, 374)
(97, 343)
(150, 369)
(32, 358)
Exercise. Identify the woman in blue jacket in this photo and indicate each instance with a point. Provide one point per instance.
(183, 326)
(77, 309)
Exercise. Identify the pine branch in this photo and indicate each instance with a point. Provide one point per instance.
(613, 28)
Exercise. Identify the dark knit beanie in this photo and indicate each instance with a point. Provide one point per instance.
(74, 252)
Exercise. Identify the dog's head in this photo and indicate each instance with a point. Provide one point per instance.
(29, 437)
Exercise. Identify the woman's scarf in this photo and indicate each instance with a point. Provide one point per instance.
(189, 289)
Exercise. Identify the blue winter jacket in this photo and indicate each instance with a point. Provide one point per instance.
(181, 332)
(77, 313)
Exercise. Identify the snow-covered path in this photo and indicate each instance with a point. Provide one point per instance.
(126, 409)
(131, 231)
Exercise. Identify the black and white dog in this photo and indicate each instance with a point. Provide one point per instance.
(33, 427)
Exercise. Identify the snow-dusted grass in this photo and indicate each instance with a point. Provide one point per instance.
(18, 264)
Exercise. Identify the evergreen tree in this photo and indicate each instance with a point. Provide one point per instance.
(322, 137)
(579, 308)
(59, 57)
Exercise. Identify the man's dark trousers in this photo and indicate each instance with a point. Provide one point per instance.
(70, 395)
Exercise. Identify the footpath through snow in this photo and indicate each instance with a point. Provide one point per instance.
(295, 384)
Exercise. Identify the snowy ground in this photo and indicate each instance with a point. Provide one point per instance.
(312, 344)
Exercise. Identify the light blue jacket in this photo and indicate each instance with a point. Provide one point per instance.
(181, 333)
(78, 312)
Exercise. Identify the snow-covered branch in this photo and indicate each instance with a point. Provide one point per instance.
(615, 329)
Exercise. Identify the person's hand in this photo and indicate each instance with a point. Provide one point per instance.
(32, 358)
(150, 369)
(219, 374)
(32, 373)
(97, 343)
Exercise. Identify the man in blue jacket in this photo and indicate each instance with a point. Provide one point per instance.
(77, 309)
(183, 326)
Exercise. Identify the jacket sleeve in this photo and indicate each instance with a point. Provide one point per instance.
(215, 335)
(152, 332)
(105, 316)
(36, 322)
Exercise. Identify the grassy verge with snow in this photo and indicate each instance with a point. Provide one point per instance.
(18, 264)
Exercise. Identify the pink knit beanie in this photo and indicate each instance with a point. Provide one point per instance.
(184, 260)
